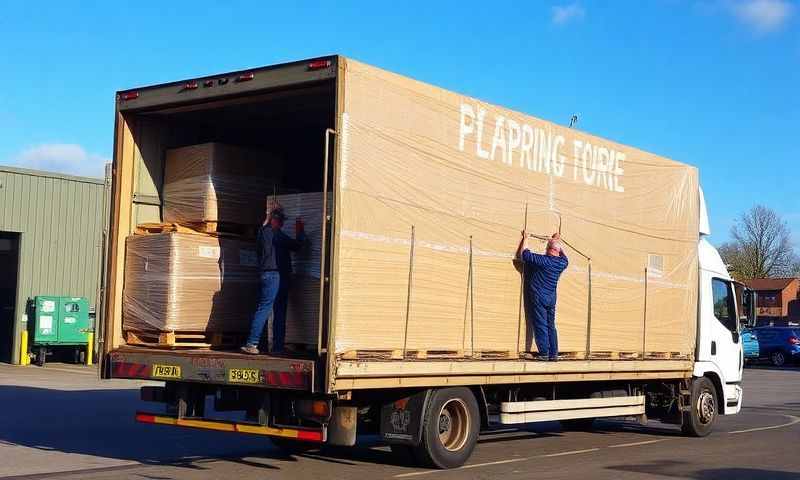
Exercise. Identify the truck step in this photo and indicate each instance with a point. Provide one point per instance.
(550, 410)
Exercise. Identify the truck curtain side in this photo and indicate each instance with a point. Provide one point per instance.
(421, 300)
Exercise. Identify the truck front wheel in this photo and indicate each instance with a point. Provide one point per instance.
(449, 428)
(699, 419)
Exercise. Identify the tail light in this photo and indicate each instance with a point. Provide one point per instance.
(128, 96)
(245, 77)
(793, 340)
(317, 64)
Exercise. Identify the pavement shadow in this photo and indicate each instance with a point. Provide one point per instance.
(101, 423)
(678, 469)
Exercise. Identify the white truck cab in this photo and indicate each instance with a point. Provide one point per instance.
(719, 354)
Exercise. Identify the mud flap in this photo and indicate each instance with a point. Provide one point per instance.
(342, 427)
(401, 419)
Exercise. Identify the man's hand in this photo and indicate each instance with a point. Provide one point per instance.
(273, 204)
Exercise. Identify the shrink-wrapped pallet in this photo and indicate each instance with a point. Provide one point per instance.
(302, 320)
(214, 182)
(463, 173)
(189, 282)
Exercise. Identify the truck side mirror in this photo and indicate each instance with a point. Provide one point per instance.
(749, 300)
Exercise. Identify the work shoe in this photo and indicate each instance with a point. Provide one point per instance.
(532, 356)
(251, 349)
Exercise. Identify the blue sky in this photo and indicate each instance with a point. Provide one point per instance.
(712, 83)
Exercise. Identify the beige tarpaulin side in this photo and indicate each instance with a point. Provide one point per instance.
(463, 173)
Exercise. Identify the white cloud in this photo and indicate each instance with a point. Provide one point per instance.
(561, 15)
(63, 158)
(763, 16)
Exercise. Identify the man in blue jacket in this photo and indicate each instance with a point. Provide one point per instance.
(541, 274)
(283, 244)
(270, 282)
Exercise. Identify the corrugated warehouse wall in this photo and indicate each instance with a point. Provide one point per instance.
(60, 219)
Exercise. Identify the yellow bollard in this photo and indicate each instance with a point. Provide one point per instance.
(24, 358)
(89, 347)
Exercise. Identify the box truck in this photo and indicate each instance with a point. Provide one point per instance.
(419, 330)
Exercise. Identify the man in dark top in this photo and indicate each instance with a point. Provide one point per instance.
(283, 244)
(270, 281)
(541, 274)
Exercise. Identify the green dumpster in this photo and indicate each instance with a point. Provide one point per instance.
(59, 323)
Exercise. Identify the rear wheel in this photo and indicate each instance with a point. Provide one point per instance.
(699, 420)
(778, 358)
(449, 428)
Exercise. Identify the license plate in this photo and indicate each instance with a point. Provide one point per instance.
(166, 371)
(243, 375)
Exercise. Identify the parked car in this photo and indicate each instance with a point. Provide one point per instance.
(750, 345)
(779, 344)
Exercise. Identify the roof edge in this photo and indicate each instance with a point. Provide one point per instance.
(47, 174)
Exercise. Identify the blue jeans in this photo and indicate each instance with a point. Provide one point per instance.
(543, 318)
(266, 298)
(279, 313)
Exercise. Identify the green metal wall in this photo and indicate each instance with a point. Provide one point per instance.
(60, 219)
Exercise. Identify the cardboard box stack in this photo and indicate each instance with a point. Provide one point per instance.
(302, 322)
(189, 282)
(214, 182)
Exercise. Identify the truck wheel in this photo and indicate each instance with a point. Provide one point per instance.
(449, 428)
(778, 358)
(699, 420)
(577, 424)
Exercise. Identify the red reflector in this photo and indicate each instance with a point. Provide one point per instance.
(128, 96)
(245, 77)
(141, 417)
(190, 86)
(316, 64)
(309, 435)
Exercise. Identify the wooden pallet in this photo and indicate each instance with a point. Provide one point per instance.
(216, 229)
(665, 356)
(378, 354)
(433, 354)
(614, 355)
(496, 354)
(571, 355)
(221, 228)
(153, 228)
(183, 339)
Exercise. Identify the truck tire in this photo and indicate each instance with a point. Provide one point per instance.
(450, 428)
(699, 420)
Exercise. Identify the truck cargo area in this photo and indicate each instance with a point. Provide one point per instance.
(286, 121)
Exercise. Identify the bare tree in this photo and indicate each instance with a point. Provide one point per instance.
(761, 246)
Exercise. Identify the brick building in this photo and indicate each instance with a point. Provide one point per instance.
(778, 300)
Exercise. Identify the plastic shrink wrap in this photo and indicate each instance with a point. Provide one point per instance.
(469, 176)
(214, 182)
(189, 282)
